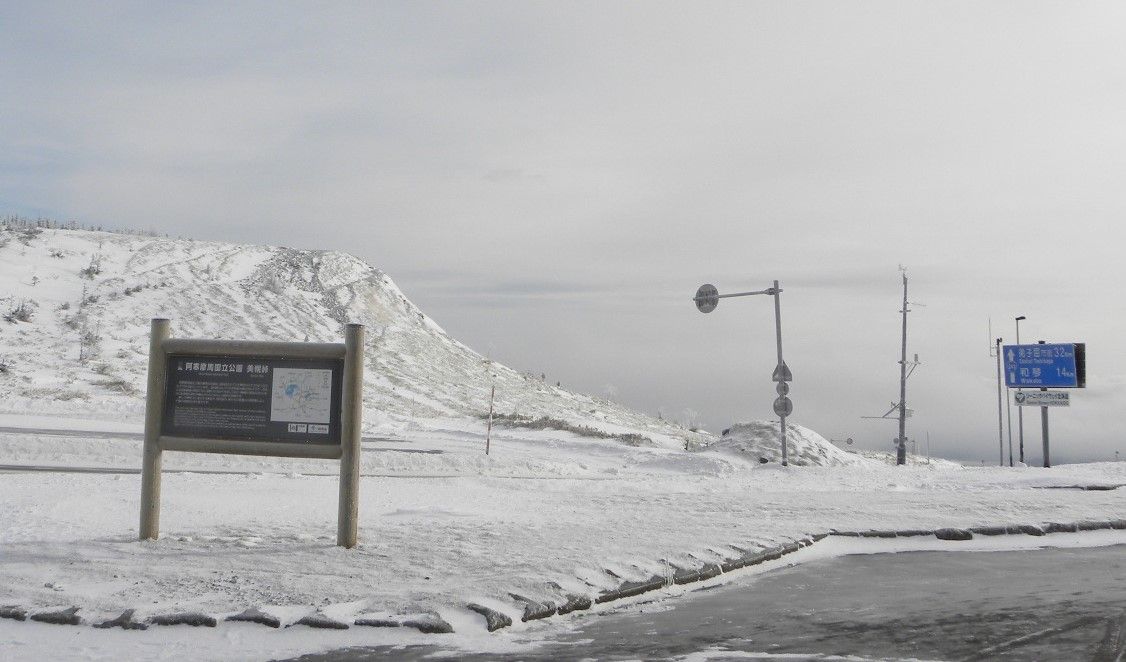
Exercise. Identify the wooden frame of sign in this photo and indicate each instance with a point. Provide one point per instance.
(254, 398)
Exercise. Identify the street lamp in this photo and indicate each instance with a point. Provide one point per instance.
(1020, 410)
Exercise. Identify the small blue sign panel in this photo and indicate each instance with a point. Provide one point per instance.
(1061, 365)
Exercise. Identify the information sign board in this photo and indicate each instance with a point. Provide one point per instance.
(1042, 399)
(283, 399)
(1056, 365)
(253, 398)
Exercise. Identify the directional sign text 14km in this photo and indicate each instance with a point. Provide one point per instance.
(1059, 365)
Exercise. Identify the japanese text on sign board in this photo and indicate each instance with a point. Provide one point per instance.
(254, 399)
(1044, 365)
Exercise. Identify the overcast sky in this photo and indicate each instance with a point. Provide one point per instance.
(552, 181)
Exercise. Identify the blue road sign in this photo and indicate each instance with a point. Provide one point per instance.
(1059, 365)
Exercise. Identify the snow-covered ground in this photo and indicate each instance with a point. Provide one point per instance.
(547, 515)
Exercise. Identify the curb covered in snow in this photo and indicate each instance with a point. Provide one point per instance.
(1082, 488)
(433, 623)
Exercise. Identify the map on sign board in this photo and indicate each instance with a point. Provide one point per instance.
(301, 395)
(253, 398)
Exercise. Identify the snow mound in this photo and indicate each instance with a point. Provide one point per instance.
(756, 441)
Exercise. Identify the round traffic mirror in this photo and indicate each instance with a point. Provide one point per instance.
(707, 298)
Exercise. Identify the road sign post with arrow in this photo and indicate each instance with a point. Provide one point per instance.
(1045, 365)
(707, 299)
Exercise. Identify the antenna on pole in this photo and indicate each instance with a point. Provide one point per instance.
(901, 440)
(901, 447)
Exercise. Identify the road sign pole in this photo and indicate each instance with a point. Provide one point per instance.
(707, 298)
(1009, 424)
(781, 363)
(1044, 429)
(1020, 410)
(1044, 432)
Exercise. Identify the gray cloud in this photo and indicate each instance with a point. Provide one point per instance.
(555, 180)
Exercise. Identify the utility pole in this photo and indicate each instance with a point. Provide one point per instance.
(904, 374)
(901, 445)
(1000, 426)
(1020, 410)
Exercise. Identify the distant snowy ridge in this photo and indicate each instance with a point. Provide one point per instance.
(77, 306)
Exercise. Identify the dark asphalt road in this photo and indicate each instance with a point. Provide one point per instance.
(1063, 604)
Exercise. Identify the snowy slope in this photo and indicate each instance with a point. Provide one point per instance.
(73, 285)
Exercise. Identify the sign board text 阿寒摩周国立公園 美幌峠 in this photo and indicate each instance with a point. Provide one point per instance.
(253, 398)
(1054, 365)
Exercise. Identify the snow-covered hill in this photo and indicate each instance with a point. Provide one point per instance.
(77, 304)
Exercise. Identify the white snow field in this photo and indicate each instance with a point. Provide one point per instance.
(549, 515)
